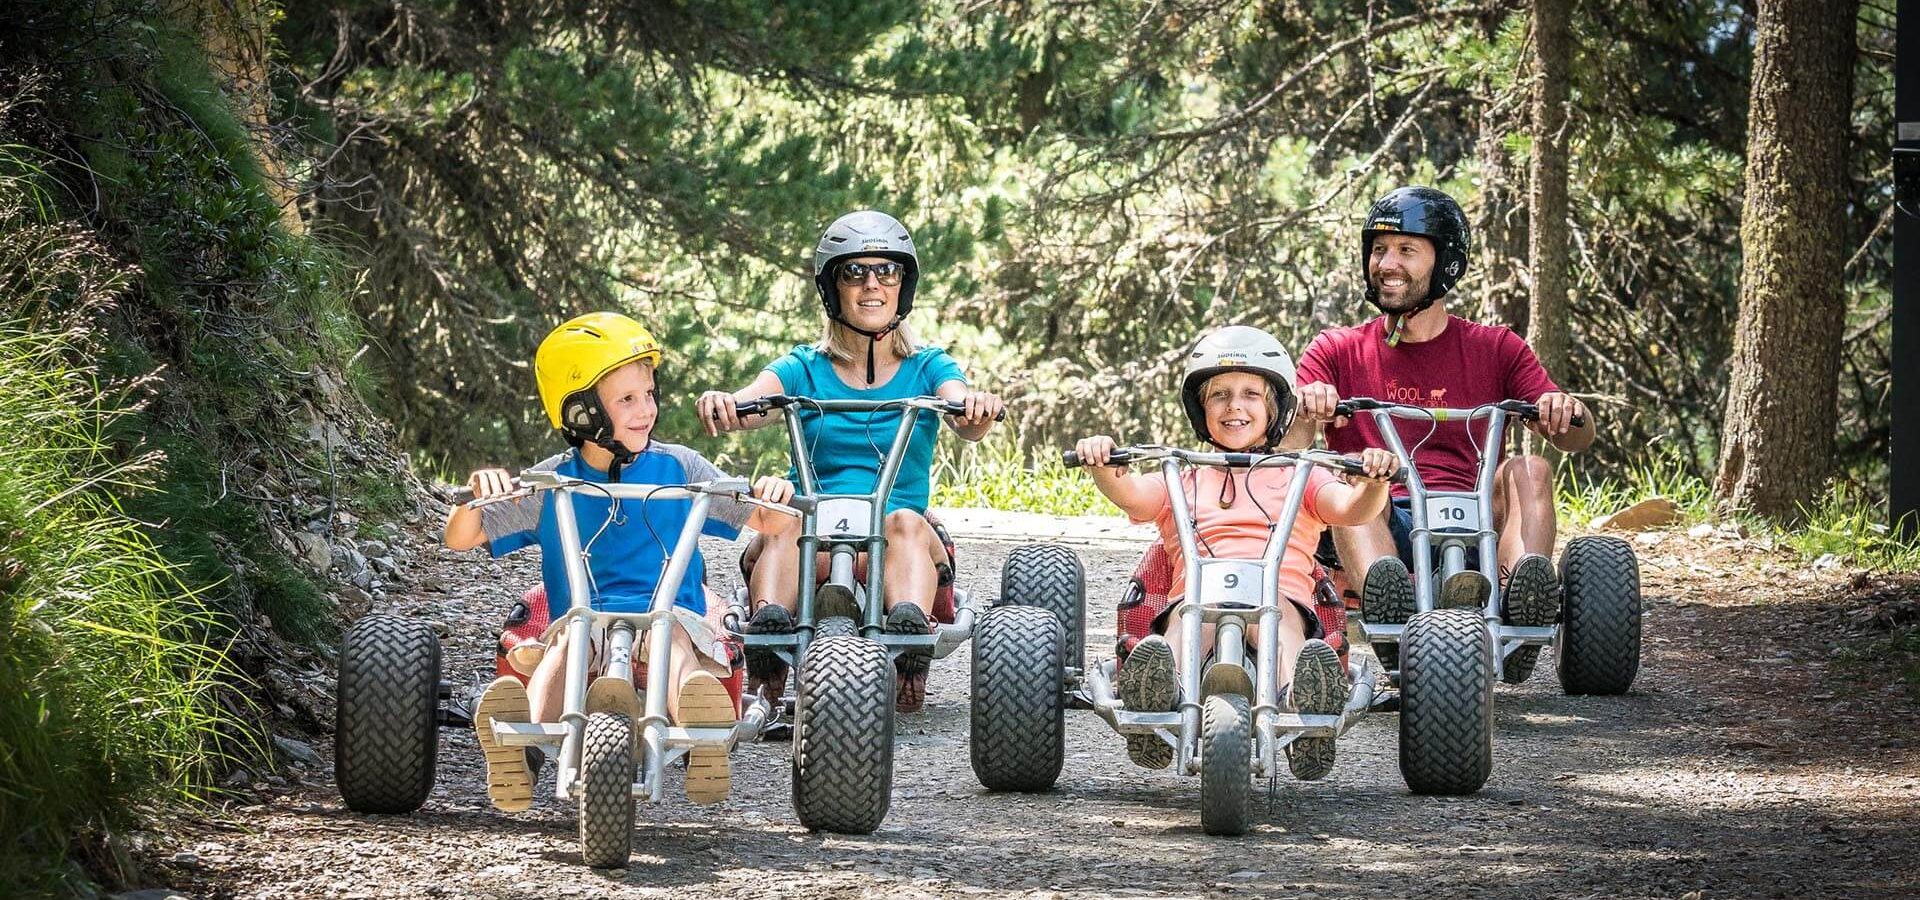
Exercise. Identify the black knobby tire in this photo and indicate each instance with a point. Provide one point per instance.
(1599, 642)
(1019, 729)
(606, 792)
(843, 736)
(387, 733)
(835, 626)
(1446, 702)
(1226, 761)
(1050, 577)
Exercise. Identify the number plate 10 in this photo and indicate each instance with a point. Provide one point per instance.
(1229, 581)
(1453, 514)
(844, 517)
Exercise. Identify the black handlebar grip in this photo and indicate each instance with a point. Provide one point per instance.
(1343, 408)
(462, 495)
(803, 504)
(1071, 459)
(959, 408)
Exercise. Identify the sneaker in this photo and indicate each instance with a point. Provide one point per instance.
(766, 671)
(1149, 683)
(1532, 598)
(910, 667)
(1386, 598)
(509, 783)
(703, 702)
(1319, 688)
(1465, 589)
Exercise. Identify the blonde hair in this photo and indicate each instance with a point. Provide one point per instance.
(843, 344)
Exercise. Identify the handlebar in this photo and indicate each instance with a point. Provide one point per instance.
(763, 405)
(1125, 456)
(1519, 409)
(731, 488)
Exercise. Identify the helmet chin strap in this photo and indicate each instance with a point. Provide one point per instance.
(621, 456)
(875, 339)
(1397, 322)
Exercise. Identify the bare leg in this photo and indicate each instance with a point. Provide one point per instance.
(1523, 512)
(1360, 545)
(547, 687)
(776, 571)
(1176, 638)
(1293, 634)
(913, 550)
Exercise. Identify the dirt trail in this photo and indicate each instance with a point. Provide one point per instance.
(1747, 763)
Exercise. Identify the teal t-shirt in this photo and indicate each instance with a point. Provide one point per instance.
(848, 449)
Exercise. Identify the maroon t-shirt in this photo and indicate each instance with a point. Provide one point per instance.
(1467, 365)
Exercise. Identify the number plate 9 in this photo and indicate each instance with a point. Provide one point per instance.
(844, 517)
(1229, 581)
(1453, 514)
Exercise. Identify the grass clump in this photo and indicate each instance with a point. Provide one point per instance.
(110, 682)
(995, 474)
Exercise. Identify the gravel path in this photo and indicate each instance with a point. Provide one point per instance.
(1747, 763)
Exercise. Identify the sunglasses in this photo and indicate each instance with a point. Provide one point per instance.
(889, 273)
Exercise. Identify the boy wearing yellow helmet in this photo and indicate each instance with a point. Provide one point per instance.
(596, 378)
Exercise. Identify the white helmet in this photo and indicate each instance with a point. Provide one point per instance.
(1240, 348)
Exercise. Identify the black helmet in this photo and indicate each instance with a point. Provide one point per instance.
(1239, 348)
(1430, 214)
(868, 232)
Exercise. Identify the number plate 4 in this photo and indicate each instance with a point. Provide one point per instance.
(844, 517)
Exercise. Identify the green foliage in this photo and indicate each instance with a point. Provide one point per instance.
(109, 657)
(995, 474)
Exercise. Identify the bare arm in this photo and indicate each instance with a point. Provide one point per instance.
(981, 408)
(1141, 497)
(717, 407)
(1362, 498)
(464, 530)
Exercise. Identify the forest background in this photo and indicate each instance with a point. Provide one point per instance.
(266, 266)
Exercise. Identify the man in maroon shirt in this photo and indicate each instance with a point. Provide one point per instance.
(1414, 248)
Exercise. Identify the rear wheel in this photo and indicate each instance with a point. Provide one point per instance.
(843, 736)
(1599, 640)
(1019, 733)
(1050, 577)
(1226, 759)
(606, 791)
(387, 733)
(1446, 702)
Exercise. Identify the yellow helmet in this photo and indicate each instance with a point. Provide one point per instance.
(575, 356)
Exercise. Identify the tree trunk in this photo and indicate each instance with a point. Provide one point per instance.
(1547, 183)
(1501, 222)
(1776, 441)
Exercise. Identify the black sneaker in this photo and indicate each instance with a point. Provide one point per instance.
(1319, 688)
(1149, 683)
(1386, 598)
(1532, 599)
(765, 667)
(910, 667)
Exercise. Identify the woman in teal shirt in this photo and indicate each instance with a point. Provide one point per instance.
(865, 270)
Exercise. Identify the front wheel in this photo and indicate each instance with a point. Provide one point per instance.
(1019, 733)
(606, 791)
(1446, 702)
(1226, 759)
(843, 736)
